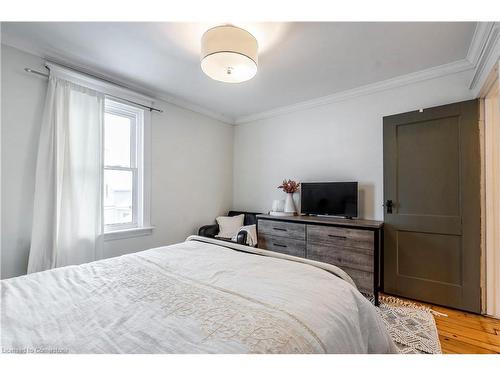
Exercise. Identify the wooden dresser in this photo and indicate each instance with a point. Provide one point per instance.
(353, 245)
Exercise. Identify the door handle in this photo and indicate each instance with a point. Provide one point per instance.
(388, 206)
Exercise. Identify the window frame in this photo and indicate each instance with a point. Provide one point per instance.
(138, 166)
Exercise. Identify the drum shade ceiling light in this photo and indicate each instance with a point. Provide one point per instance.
(229, 54)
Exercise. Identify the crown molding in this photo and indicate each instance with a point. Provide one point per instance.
(478, 41)
(491, 79)
(484, 53)
(422, 75)
(184, 104)
(156, 95)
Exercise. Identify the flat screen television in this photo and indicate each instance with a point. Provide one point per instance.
(329, 198)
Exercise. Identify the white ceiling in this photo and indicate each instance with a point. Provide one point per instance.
(297, 61)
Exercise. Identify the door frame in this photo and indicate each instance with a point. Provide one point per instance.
(490, 155)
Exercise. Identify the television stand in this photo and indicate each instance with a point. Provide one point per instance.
(351, 244)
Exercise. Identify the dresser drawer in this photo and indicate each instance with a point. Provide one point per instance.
(282, 245)
(282, 229)
(355, 238)
(362, 279)
(359, 259)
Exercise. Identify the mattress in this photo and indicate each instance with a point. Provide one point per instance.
(198, 296)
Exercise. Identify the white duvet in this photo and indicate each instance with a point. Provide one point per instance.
(199, 296)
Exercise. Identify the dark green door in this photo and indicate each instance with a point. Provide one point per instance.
(432, 205)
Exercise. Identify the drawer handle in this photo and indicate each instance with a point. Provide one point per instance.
(279, 245)
(281, 229)
(340, 237)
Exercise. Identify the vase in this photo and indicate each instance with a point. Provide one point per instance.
(289, 204)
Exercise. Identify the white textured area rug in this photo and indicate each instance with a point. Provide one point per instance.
(411, 326)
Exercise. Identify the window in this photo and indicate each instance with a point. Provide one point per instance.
(123, 191)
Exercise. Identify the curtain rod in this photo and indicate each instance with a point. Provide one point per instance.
(29, 70)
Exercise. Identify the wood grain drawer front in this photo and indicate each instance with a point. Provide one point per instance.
(283, 245)
(362, 279)
(282, 229)
(341, 256)
(355, 238)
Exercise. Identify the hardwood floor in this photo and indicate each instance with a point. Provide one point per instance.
(465, 333)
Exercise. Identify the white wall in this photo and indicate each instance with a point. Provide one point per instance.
(340, 141)
(192, 167)
(194, 177)
(22, 104)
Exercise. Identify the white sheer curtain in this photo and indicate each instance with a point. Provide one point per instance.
(67, 217)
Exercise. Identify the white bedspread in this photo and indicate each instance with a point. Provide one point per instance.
(192, 297)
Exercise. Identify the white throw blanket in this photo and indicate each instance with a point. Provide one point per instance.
(251, 234)
(199, 296)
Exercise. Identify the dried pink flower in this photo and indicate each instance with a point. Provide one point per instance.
(289, 186)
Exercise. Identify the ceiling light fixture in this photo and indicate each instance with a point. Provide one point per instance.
(229, 54)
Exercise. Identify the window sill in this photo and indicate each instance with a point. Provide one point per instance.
(128, 233)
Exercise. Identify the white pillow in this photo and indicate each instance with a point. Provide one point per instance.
(229, 225)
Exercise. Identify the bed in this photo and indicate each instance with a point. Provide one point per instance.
(198, 296)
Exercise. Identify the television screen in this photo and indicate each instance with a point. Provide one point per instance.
(329, 198)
